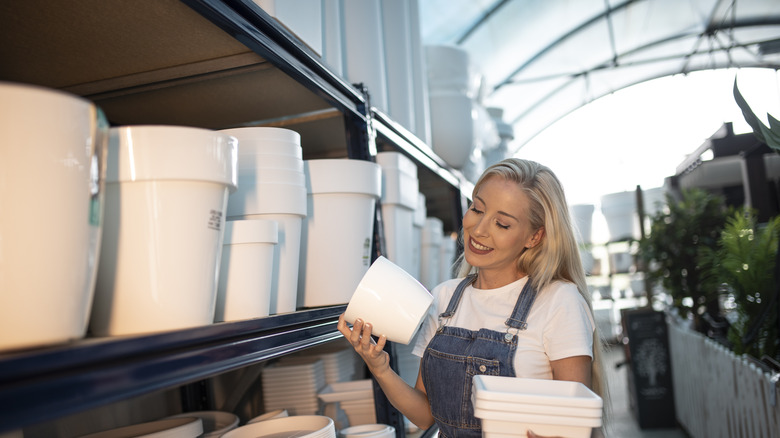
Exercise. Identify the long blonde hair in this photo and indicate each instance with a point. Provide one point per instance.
(557, 258)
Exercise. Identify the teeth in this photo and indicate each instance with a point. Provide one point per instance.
(479, 247)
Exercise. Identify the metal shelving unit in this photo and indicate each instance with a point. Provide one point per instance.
(207, 63)
(45, 384)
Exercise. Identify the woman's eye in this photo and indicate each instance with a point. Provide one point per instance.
(500, 225)
(475, 210)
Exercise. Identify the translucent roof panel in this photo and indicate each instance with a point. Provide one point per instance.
(542, 59)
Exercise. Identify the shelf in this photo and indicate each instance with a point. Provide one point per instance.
(162, 62)
(48, 383)
(206, 63)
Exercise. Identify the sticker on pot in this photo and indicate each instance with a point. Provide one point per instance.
(215, 220)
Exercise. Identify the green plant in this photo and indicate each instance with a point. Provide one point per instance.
(671, 252)
(744, 264)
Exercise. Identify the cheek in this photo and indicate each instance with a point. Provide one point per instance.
(468, 219)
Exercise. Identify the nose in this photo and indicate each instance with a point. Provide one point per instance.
(480, 227)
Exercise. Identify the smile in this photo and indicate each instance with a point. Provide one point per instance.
(478, 246)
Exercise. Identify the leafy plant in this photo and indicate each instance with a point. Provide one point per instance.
(744, 263)
(671, 252)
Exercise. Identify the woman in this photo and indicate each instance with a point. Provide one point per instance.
(520, 306)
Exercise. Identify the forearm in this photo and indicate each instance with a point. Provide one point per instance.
(411, 402)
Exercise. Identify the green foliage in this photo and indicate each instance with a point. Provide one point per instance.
(744, 262)
(671, 250)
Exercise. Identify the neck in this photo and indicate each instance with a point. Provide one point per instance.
(492, 280)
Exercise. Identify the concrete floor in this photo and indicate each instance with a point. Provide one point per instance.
(623, 424)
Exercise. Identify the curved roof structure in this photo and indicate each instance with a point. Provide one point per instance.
(541, 59)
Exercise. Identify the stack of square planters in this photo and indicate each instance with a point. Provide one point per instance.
(510, 406)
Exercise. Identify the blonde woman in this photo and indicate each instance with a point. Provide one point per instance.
(519, 307)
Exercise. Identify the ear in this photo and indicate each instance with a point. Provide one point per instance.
(536, 238)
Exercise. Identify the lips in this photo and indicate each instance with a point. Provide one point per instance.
(478, 248)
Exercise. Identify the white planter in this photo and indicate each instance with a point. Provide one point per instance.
(364, 54)
(620, 212)
(167, 192)
(246, 270)
(399, 200)
(430, 254)
(582, 216)
(272, 186)
(52, 160)
(338, 232)
(453, 136)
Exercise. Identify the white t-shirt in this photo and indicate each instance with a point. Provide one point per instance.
(560, 324)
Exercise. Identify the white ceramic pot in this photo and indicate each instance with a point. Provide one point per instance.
(393, 301)
(270, 415)
(448, 69)
(368, 431)
(398, 35)
(215, 423)
(619, 210)
(399, 200)
(246, 269)
(364, 50)
(266, 140)
(301, 426)
(430, 252)
(582, 216)
(447, 250)
(339, 229)
(167, 192)
(453, 137)
(52, 162)
(184, 427)
(277, 196)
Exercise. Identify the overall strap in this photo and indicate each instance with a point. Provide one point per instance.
(522, 307)
(456, 296)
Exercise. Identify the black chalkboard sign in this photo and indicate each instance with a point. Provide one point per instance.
(650, 377)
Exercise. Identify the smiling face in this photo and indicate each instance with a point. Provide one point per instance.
(496, 230)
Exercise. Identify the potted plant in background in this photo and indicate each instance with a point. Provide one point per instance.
(743, 265)
(671, 254)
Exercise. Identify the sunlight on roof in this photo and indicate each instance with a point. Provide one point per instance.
(638, 135)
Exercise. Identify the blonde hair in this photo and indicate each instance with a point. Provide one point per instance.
(557, 257)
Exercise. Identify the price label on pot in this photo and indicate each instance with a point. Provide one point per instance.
(215, 220)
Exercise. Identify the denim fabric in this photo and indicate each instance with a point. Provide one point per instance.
(455, 355)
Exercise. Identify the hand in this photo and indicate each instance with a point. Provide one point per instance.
(371, 352)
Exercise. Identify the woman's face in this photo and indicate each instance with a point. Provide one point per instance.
(496, 228)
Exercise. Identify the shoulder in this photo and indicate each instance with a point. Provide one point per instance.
(560, 290)
(561, 294)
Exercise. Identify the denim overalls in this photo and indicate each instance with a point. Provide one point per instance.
(455, 355)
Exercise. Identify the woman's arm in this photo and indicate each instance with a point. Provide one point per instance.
(573, 369)
(412, 402)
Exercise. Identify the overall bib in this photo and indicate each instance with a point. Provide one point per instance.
(455, 355)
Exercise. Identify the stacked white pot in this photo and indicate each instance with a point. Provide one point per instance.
(447, 254)
(52, 163)
(339, 229)
(510, 406)
(619, 210)
(582, 218)
(166, 196)
(364, 49)
(453, 109)
(246, 269)
(400, 188)
(430, 254)
(420, 213)
(272, 187)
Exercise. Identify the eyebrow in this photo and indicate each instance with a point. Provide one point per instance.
(503, 213)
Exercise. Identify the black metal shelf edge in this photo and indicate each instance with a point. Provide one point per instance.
(48, 383)
(253, 27)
